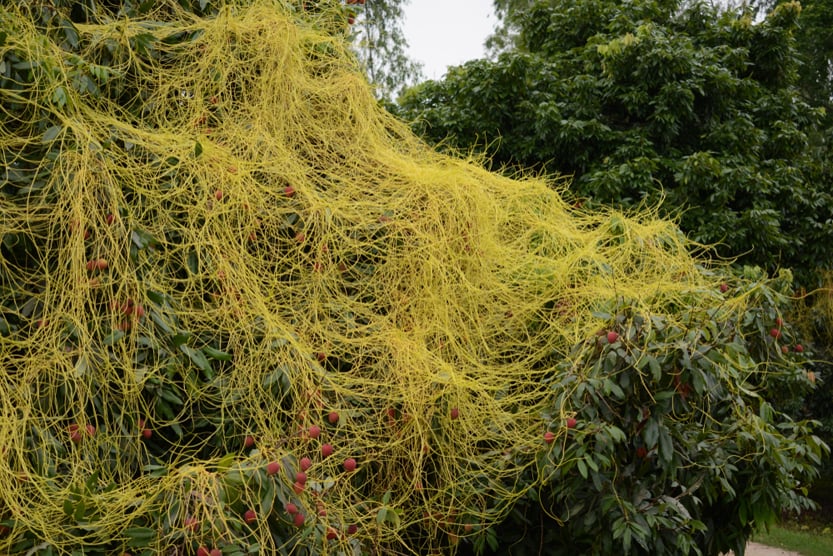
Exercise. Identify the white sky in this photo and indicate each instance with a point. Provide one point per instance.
(442, 33)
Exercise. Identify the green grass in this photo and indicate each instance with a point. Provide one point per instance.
(807, 541)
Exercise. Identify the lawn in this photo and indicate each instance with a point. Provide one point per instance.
(807, 541)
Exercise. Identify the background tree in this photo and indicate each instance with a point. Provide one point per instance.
(814, 41)
(643, 101)
(381, 45)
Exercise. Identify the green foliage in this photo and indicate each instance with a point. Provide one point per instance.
(677, 448)
(650, 101)
(814, 41)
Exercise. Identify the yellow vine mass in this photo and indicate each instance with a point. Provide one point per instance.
(266, 207)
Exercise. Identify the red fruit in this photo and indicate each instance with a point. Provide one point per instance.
(549, 437)
(301, 477)
(779, 321)
(272, 467)
(102, 264)
(140, 311)
(455, 413)
(349, 465)
(612, 337)
(75, 436)
(300, 237)
(218, 194)
(249, 441)
(641, 452)
(724, 287)
(785, 349)
(352, 528)
(291, 509)
(314, 431)
(321, 356)
(215, 552)
(326, 450)
(297, 487)
(203, 551)
(141, 423)
(351, 20)
(305, 463)
(289, 191)
(250, 516)
(147, 434)
(799, 348)
(775, 333)
(91, 265)
(298, 520)
(90, 430)
(110, 218)
(468, 527)
(571, 423)
(333, 417)
(331, 534)
(192, 524)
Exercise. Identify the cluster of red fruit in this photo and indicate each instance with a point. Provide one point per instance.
(146, 432)
(76, 433)
(549, 436)
(776, 334)
(299, 485)
(97, 264)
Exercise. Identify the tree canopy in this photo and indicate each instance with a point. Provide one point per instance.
(645, 101)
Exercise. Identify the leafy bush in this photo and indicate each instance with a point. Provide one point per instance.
(676, 447)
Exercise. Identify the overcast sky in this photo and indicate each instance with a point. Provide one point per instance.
(442, 33)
